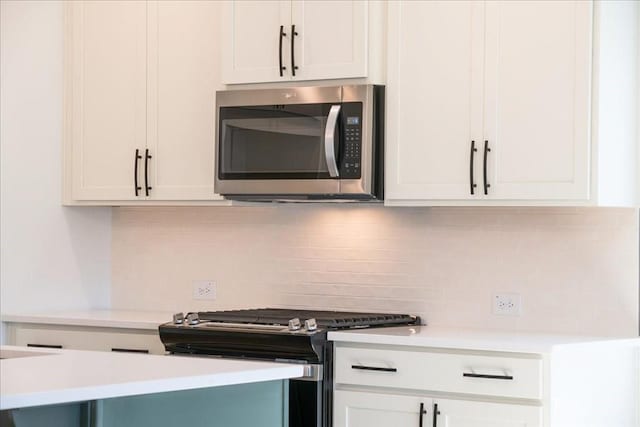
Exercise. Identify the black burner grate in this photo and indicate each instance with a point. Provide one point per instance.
(324, 319)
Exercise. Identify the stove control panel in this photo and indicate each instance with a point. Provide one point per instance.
(293, 327)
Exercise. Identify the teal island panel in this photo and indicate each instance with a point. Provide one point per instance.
(246, 405)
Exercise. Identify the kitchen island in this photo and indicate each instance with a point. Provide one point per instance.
(40, 386)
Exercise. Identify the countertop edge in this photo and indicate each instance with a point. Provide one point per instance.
(124, 322)
(508, 343)
(82, 394)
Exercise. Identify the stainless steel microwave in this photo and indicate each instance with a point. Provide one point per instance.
(303, 143)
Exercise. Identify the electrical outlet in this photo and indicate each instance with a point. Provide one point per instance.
(507, 304)
(204, 289)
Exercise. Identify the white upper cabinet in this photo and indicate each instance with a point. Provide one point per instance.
(270, 41)
(330, 40)
(106, 102)
(253, 45)
(434, 97)
(537, 99)
(141, 78)
(512, 103)
(183, 76)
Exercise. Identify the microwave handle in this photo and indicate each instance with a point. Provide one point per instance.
(329, 140)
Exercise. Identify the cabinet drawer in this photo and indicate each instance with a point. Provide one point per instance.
(435, 371)
(88, 339)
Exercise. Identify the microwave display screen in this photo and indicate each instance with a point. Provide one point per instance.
(353, 121)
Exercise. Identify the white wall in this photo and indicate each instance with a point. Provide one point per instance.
(51, 257)
(576, 269)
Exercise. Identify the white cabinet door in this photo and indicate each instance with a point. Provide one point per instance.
(434, 98)
(184, 73)
(106, 121)
(331, 39)
(252, 39)
(462, 413)
(537, 99)
(358, 409)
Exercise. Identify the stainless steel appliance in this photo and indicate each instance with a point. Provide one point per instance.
(292, 336)
(304, 143)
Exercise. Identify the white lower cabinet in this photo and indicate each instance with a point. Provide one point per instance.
(398, 386)
(464, 413)
(85, 338)
(363, 409)
(509, 381)
(360, 409)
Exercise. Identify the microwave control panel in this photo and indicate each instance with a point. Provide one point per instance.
(350, 166)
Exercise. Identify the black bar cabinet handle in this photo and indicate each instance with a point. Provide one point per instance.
(373, 368)
(486, 182)
(129, 350)
(294, 67)
(282, 34)
(135, 172)
(491, 377)
(44, 345)
(422, 413)
(472, 185)
(147, 156)
(435, 415)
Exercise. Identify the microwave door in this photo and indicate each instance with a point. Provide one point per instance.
(315, 127)
(279, 146)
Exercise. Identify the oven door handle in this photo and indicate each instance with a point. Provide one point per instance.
(329, 140)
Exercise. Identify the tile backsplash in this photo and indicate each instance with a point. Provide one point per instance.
(575, 268)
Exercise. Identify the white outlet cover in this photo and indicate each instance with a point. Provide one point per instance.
(204, 290)
(507, 304)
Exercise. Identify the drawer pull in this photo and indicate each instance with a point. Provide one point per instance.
(44, 345)
(373, 368)
(491, 377)
(130, 350)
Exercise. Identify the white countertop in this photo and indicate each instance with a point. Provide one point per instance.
(129, 319)
(59, 376)
(467, 339)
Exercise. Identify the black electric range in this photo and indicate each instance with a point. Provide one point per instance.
(293, 336)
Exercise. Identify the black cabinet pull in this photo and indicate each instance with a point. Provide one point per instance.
(435, 414)
(491, 377)
(294, 67)
(422, 413)
(373, 368)
(472, 185)
(147, 156)
(44, 345)
(282, 34)
(486, 182)
(135, 172)
(130, 350)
